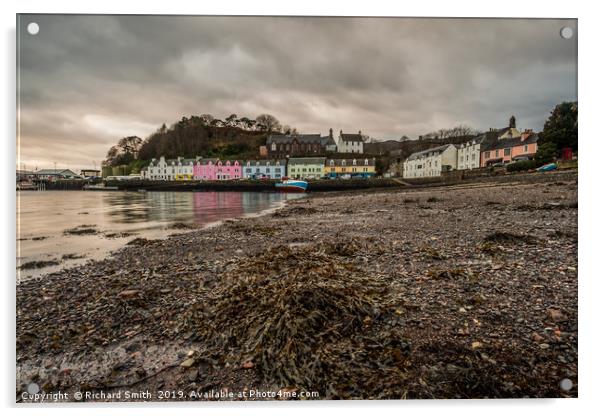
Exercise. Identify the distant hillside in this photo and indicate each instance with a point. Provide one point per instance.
(402, 149)
(189, 138)
(232, 138)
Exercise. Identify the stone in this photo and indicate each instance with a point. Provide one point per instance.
(129, 293)
(556, 315)
(536, 337)
(187, 363)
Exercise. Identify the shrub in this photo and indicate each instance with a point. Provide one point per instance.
(521, 166)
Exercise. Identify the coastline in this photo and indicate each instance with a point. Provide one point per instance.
(113, 239)
(469, 304)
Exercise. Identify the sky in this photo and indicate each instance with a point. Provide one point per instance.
(86, 81)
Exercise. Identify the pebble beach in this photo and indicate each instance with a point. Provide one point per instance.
(463, 291)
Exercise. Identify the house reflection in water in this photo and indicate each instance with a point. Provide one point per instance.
(150, 210)
(215, 206)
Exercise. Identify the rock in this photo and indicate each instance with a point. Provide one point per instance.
(556, 315)
(248, 364)
(187, 363)
(536, 337)
(476, 345)
(128, 294)
(544, 346)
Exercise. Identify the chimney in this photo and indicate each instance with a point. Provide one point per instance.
(330, 132)
(359, 132)
(525, 134)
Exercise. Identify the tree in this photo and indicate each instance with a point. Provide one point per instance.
(130, 145)
(207, 119)
(232, 120)
(268, 122)
(561, 127)
(546, 153)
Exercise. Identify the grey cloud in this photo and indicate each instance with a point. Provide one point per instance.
(85, 81)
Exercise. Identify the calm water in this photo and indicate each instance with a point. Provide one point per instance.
(43, 217)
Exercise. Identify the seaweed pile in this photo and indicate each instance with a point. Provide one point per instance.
(307, 317)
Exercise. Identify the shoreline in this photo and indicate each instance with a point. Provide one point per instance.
(123, 237)
(433, 257)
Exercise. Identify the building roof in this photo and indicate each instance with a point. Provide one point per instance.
(505, 143)
(351, 137)
(306, 160)
(288, 138)
(63, 172)
(264, 162)
(360, 161)
(327, 141)
(438, 149)
(215, 161)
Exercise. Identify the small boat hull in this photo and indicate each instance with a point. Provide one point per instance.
(292, 186)
(547, 168)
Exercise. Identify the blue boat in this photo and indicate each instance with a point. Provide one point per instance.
(292, 185)
(548, 167)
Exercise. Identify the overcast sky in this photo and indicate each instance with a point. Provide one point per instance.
(86, 81)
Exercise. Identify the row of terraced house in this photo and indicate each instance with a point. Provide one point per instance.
(185, 169)
(495, 147)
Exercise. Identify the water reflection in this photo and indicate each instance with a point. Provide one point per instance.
(135, 214)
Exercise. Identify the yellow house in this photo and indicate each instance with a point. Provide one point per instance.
(305, 167)
(184, 177)
(355, 167)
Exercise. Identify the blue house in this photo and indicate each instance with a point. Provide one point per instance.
(264, 169)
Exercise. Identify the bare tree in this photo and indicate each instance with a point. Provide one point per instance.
(268, 122)
(207, 118)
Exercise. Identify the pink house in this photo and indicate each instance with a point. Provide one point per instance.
(505, 151)
(216, 170)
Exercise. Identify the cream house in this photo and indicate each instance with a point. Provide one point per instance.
(431, 162)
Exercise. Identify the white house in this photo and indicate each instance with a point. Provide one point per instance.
(350, 143)
(268, 169)
(469, 153)
(169, 169)
(431, 162)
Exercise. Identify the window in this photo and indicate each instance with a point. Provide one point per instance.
(487, 154)
(497, 153)
(273, 146)
(507, 152)
(526, 148)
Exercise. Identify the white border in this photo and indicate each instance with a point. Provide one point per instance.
(590, 97)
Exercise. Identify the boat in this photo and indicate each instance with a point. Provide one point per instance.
(548, 167)
(291, 185)
(100, 187)
(26, 186)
